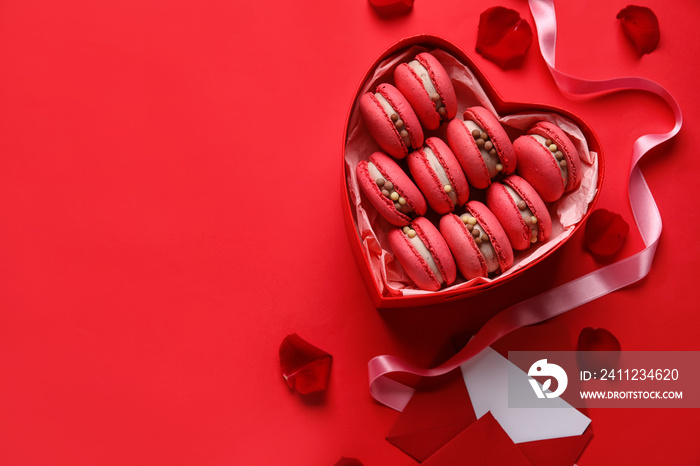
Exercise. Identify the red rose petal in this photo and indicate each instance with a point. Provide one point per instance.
(598, 349)
(597, 339)
(348, 462)
(503, 37)
(305, 367)
(641, 26)
(605, 232)
(391, 8)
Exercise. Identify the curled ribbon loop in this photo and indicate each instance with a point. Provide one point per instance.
(576, 292)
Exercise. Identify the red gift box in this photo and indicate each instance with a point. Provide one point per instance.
(388, 285)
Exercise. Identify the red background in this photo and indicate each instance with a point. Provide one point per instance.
(170, 210)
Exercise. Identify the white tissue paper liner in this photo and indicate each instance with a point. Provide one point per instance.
(373, 229)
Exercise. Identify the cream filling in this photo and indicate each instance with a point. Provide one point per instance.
(440, 172)
(490, 160)
(375, 174)
(525, 214)
(487, 250)
(424, 76)
(564, 170)
(417, 243)
(389, 110)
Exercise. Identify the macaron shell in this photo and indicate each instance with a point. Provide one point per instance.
(442, 82)
(506, 211)
(498, 237)
(464, 249)
(381, 127)
(412, 262)
(466, 151)
(428, 181)
(564, 143)
(434, 241)
(535, 203)
(537, 165)
(402, 183)
(497, 135)
(385, 207)
(415, 266)
(411, 86)
(405, 112)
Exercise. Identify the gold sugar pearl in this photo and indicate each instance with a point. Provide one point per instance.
(386, 193)
(492, 152)
(402, 201)
(553, 147)
(522, 205)
(404, 133)
(476, 133)
(488, 145)
(399, 124)
(397, 205)
(465, 218)
(562, 163)
(478, 240)
(533, 240)
(411, 233)
(472, 220)
(441, 110)
(485, 238)
(394, 196)
(499, 167)
(476, 233)
(380, 181)
(547, 142)
(480, 142)
(484, 136)
(447, 188)
(406, 229)
(394, 117)
(389, 185)
(528, 220)
(533, 219)
(470, 227)
(559, 155)
(435, 96)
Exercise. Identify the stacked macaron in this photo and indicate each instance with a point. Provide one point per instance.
(425, 181)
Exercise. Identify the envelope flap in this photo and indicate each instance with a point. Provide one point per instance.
(433, 417)
(483, 443)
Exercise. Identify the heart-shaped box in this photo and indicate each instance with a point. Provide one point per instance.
(386, 281)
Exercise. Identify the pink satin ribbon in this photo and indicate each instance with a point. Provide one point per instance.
(576, 292)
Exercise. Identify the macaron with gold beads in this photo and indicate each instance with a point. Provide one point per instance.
(481, 146)
(548, 160)
(389, 189)
(520, 210)
(428, 88)
(424, 255)
(439, 176)
(391, 121)
(478, 242)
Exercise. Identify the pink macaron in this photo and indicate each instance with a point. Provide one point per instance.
(478, 242)
(391, 121)
(423, 253)
(439, 176)
(428, 88)
(520, 210)
(389, 189)
(482, 147)
(548, 160)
